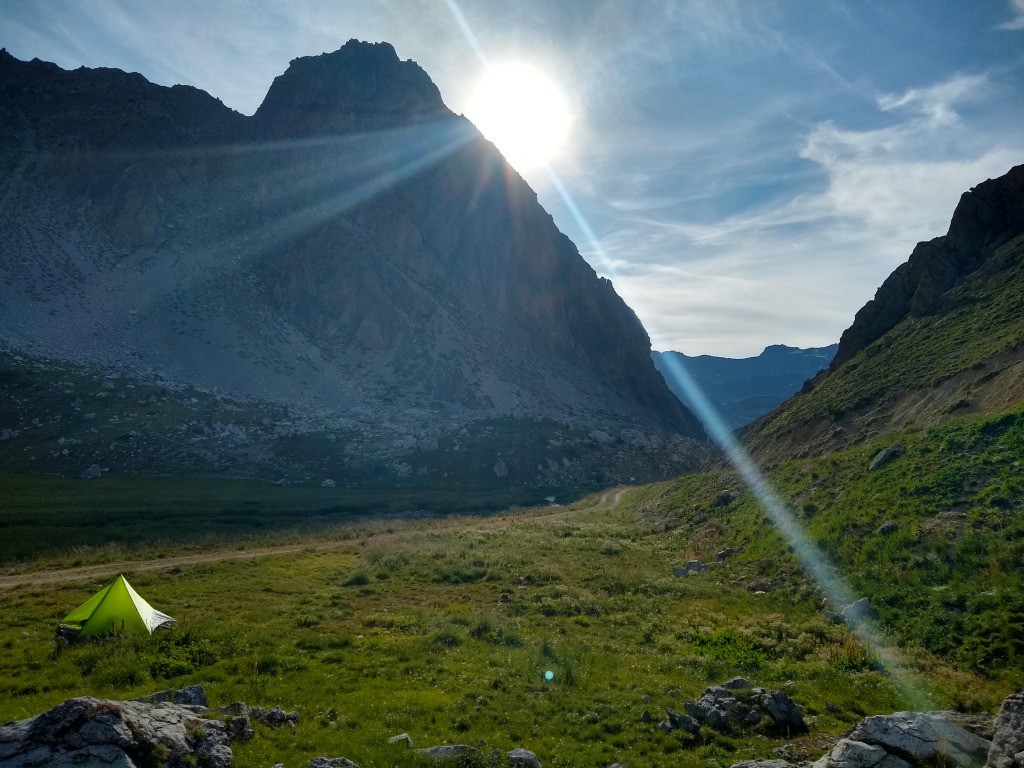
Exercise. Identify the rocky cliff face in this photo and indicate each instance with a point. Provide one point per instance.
(354, 250)
(943, 338)
(987, 216)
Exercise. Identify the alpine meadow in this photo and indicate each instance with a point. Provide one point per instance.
(606, 386)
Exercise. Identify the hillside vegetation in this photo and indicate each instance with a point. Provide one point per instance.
(967, 359)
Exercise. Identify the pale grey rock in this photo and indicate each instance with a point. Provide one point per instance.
(1008, 739)
(919, 736)
(848, 753)
(193, 695)
(764, 763)
(500, 468)
(92, 472)
(86, 731)
(8, 434)
(856, 611)
(682, 722)
(452, 752)
(332, 762)
(328, 483)
(403, 738)
(523, 757)
(883, 457)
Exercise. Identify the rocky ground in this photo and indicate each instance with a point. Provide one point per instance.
(174, 728)
(79, 421)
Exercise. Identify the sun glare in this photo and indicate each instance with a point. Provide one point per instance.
(522, 111)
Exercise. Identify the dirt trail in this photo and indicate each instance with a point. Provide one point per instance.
(88, 572)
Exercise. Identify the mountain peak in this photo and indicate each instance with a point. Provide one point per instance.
(361, 86)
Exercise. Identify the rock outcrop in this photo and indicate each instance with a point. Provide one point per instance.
(738, 705)
(1008, 737)
(906, 739)
(920, 736)
(987, 216)
(88, 731)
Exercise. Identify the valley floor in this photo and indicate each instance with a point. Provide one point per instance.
(443, 628)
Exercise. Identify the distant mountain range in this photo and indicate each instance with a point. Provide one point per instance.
(743, 389)
(352, 284)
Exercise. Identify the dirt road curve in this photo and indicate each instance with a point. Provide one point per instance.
(88, 572)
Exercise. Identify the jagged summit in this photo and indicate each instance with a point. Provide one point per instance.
(361, 86)
(986, 217)
(388, 274)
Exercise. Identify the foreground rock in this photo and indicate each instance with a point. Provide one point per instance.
(738, 705)
(907, 739)
(856, 754)
(523, 757)
(332, 762)
(124, 734)
(454, 752)
(922, 737)
(1008, 740)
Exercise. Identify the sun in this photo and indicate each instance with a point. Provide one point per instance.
(522, 111)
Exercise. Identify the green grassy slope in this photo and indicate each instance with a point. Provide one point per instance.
(935, 538)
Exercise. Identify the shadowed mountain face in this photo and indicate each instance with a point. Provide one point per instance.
(943, 337)
(745, 388)
(353, 251)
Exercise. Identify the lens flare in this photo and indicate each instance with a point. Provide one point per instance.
(814, 562)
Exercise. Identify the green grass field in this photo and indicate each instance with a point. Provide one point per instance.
(443, 627)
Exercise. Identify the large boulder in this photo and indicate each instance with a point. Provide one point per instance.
(1008, 740)
(523, 757)
(856, 754)
(922, 737)
(86, 731)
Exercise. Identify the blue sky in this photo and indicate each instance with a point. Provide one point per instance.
(752, 170)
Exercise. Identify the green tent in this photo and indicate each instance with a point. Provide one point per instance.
(115, 608)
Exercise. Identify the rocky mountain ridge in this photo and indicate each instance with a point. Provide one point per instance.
(353, 250)
(745, 388)
(987, 216)
(943, 338)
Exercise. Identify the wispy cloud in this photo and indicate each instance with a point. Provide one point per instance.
(1017, 22)
(937, 101)
(800, 267)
